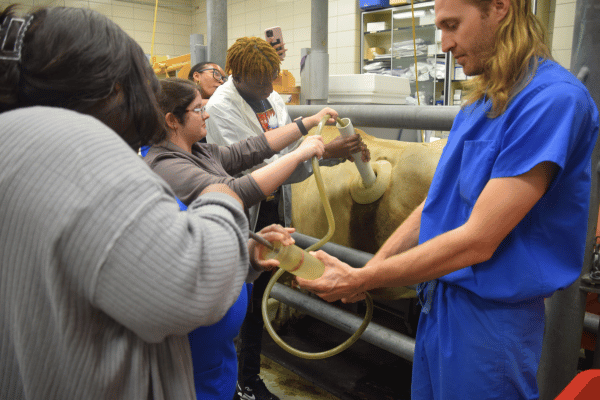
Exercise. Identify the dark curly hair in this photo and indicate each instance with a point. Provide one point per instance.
(79, 59)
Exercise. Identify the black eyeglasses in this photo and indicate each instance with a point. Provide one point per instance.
(201, 110)
(216, 74)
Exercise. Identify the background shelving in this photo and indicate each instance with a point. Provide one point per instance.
(389, 31)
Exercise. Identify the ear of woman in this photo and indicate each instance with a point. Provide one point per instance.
(172, 121)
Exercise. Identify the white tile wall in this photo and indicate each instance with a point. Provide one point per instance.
(562, 22)
(252, 17)
(173, 28)
(177, 19)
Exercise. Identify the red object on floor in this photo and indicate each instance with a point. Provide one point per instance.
(585, 386)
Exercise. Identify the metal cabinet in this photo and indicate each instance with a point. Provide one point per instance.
(388, 47)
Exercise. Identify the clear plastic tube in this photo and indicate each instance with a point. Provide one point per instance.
(295, 260)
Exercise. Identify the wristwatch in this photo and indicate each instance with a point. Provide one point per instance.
(301, 126)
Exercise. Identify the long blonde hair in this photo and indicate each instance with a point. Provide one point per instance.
(520, 42)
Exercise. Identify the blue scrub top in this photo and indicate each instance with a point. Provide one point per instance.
(553, 119)
(213, 351)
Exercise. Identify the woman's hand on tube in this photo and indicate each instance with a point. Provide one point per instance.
(316, 119)
(344, 147)
(273, 233)
(339, 280)
(311, 146)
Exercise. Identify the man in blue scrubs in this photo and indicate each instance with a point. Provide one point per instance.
(505, 219)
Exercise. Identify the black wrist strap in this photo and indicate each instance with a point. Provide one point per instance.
(301, 126)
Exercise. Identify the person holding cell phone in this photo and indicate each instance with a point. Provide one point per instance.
(274, 37)
(246, 106)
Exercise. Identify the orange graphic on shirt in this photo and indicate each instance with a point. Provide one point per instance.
(268, 119)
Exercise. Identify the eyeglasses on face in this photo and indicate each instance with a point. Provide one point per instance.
(201, 111)
(216, 74)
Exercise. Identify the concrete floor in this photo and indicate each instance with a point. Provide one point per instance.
(287, 385)
(362, 372)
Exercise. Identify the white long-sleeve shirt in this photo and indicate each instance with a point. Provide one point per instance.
(101, 275)
(232, 120)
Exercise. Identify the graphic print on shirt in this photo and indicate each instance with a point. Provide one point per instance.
(267, 117)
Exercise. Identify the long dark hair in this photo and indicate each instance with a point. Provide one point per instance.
(79, 59)
(175, 96)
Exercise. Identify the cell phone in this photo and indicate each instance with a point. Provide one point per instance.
(275, 33)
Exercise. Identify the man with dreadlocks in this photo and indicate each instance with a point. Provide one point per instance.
(243, 107)
(505, 220)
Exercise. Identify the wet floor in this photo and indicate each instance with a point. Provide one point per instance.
(288, 385)
(362, 372)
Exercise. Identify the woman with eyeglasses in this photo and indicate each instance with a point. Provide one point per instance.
(208, 76)
(189, 166)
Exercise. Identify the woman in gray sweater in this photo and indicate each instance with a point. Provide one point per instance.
(189, 166)
(101, 276)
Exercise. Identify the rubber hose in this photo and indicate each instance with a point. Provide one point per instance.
(369, 301)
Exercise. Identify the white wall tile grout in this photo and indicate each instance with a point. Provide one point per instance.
(252, 17)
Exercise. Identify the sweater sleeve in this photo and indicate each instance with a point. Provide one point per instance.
(188, 179)
(245, 154)
(169, 272)
(99, 233)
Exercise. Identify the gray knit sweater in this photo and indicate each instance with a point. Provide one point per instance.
(101, 276)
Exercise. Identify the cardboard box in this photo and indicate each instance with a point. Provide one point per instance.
(374, 51)
(377, 26)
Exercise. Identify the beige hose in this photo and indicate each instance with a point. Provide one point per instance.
(369, 301)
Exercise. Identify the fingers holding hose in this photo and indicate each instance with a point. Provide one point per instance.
(311, 146)
(344, 147)
(272, 233)
(337, 282)
(355, 297)
(333, 115)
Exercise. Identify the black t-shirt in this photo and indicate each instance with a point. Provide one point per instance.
(269, 209)
(264, 112)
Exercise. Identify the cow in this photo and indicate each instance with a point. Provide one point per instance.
(366, 226)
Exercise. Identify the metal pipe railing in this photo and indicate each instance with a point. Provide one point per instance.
(591, 322)
(388, 116)
(380, 336)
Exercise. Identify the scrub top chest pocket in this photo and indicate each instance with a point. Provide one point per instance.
(476, 168)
